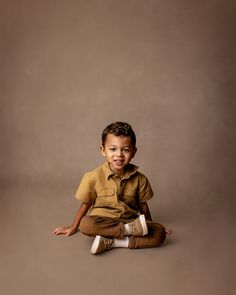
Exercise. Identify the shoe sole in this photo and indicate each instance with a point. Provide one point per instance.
(144, 224)
(95, 244)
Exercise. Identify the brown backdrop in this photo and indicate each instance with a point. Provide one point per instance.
(69, 68)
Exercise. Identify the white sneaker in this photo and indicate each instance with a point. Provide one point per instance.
(138, 227)
(101, 244)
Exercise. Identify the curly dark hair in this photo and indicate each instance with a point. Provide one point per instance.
(119, 129)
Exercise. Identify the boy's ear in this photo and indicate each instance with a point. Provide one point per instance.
(102, 150)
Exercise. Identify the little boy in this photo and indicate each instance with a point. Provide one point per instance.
(115, 197)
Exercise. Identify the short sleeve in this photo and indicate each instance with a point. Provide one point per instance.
(86, 190)
(145, 190)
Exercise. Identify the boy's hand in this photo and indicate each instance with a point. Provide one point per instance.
(168, 230)
(68, 231)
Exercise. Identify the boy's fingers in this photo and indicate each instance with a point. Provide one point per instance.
(169, 231)
(58, 231)
(62, 230)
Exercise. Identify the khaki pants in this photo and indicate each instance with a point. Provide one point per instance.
(114, 228)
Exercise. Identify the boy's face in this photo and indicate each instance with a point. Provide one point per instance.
(118, 151)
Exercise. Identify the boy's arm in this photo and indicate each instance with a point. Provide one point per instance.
(70, 230)
(143, 208)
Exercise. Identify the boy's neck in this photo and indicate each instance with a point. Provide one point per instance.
(120, 173)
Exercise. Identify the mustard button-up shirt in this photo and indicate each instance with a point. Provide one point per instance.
(112, 196)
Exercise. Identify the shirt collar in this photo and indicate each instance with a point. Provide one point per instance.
(130, 170)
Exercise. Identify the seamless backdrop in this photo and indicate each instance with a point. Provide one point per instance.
(68, 69)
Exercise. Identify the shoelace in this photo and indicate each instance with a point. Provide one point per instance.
(108, 243)
(134, 228)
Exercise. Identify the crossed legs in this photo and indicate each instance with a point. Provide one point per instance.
(115, 229)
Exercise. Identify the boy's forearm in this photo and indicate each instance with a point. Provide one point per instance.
(143, 207)
(80, 214)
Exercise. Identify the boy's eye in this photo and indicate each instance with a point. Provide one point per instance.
(126, 150)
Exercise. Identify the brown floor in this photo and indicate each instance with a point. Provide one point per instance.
(196, 259)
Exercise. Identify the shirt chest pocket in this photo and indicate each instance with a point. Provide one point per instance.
(105, 197)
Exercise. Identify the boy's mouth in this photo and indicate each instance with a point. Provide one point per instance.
(119, 162)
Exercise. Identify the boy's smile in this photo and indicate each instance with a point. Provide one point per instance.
(118, 151)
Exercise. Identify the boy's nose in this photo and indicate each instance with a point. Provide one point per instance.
(119, 153)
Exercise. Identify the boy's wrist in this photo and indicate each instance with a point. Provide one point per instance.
(74, 228)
